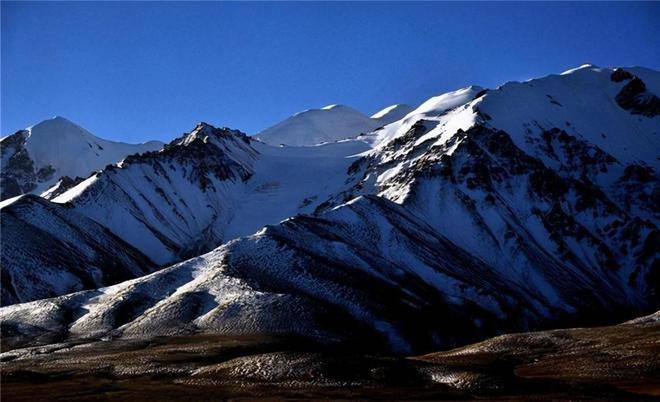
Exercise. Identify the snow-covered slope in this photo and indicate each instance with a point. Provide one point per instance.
(391, 114)
(208, 187)
(367, 270)
(36, 158)
(552, 172)
(314, 126)
(50, 250)
(529, 205)
(432, 109)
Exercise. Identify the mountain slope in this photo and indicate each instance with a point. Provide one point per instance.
(34, 159)
(49, 250)
(314, 126)
(510, 172)
(367, 270)
(208, 187)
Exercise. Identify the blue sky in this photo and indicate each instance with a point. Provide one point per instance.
(140, 71)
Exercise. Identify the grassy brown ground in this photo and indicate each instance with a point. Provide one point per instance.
(618, 362)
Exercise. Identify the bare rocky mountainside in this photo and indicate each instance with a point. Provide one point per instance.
(531, 206)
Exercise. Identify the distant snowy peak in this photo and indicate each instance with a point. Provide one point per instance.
(330, 123)
(391, 114)
(432, 110)
(55, 141)
(334, 106)
(582, 67)
(36, 158)
(315, 126)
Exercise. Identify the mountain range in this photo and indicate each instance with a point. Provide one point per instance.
(482, 211)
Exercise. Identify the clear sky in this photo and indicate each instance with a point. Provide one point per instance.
(139, 71)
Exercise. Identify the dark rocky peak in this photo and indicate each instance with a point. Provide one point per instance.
(620, 74)
(19, 174)
(203, 142)
(634, 96)
(204, 152)
(204, 132)
(12, 141)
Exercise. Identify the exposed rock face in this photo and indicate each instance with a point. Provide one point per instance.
(634, 96)
(534, 195)
(19, 174)
(49, 250)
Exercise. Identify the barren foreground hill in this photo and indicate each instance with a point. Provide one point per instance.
(620, 362)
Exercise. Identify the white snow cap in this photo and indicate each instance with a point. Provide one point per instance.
(73, 151)
(392, 113)
(582, 67)
(310, 127)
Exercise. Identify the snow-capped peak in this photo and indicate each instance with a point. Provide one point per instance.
(310, 127)
(439, 104)
(432, 109)
(392, 113)
(57, 147)
(582, 67)
(55, 128)
(201, 130)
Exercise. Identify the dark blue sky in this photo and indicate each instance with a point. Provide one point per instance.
(139, 71)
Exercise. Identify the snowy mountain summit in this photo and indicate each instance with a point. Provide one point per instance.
(38, 157)
(328, 124)
(315, 126)
(482, 211)
(391, 114)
